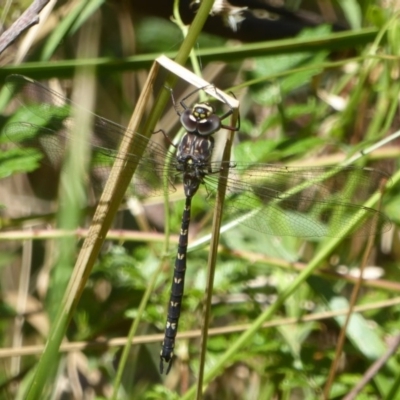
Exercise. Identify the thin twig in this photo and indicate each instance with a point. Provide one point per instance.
(26, 20)
(195, 334)
(373, 370)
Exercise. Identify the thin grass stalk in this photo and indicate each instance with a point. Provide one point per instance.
(133, 329)
(365, 72)
(212, 259)
(194, 31)
(73, 191)
(352, 304)
(21, 305)
(106, 65)
(317, 67)
(267, 314)
(193, 59)
(72, 194)
(61, 31)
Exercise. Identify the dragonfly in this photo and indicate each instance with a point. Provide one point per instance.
(270, 198)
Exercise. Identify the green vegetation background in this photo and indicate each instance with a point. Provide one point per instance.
(317, 99)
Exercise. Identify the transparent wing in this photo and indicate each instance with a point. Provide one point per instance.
(47, 125)
(304, 202)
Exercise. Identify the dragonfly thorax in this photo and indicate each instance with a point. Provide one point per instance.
(193, 160)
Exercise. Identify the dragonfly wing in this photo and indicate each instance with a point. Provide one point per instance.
(304, 202)
(49, 126)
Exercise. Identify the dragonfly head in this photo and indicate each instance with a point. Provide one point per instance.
(201, 119)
